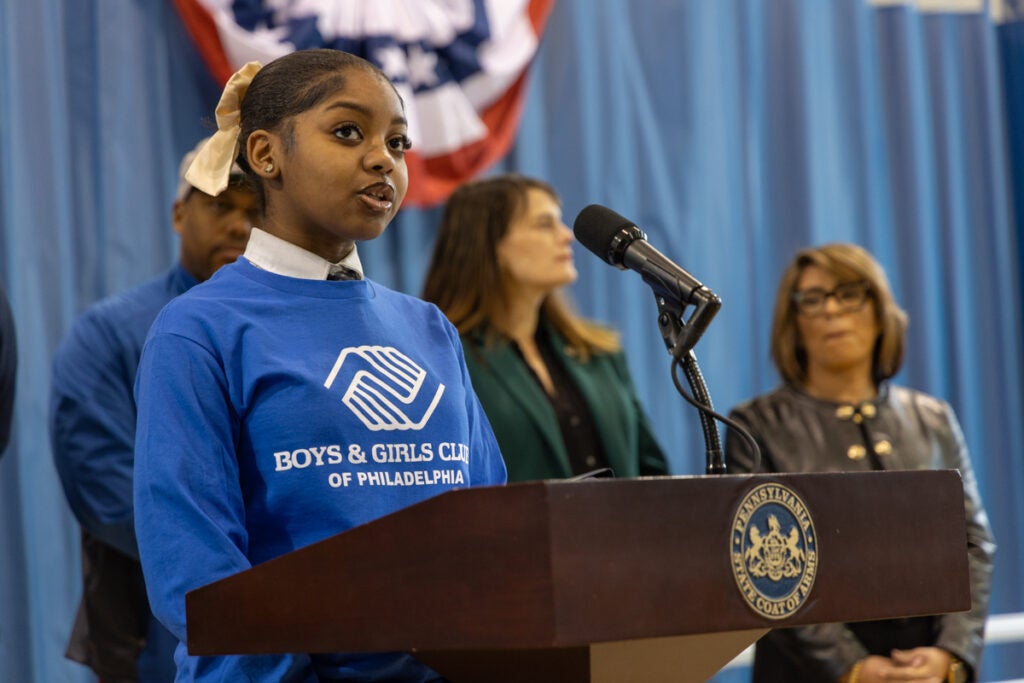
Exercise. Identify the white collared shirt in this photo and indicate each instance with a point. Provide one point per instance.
(271, 253)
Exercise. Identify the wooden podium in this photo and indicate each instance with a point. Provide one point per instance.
(596, 580)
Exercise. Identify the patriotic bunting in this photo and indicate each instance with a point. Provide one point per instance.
(460, 65)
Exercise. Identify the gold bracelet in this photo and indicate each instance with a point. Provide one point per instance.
(956, 673)
(853, 674)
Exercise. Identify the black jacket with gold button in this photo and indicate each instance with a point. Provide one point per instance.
(901, 429)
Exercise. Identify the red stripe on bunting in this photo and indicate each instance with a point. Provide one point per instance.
(206, 37)
(539, 11)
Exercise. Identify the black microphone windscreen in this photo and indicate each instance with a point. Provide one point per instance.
(596, 226)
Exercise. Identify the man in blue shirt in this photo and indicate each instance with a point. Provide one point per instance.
(92, 426)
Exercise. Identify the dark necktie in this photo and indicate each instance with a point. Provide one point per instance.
(342, 273)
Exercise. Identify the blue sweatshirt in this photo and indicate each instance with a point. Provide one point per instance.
(275, 412)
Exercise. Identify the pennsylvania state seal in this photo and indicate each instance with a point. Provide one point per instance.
(774, 550)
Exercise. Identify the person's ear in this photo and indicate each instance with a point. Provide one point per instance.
(261, 151)
(178, 216)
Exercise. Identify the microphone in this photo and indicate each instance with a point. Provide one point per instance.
(621, 243)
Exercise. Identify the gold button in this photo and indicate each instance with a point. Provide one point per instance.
(858, 418)
(856, 452)
(883, 447)
(868, 410)
(845, 412)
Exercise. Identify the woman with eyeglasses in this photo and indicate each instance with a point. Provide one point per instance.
(837, 338)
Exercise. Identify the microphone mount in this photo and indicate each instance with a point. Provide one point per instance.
(682, 334)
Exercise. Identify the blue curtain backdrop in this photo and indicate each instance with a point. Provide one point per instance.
(733, 131)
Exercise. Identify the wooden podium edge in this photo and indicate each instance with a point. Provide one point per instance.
(671, 659)
(679, 659)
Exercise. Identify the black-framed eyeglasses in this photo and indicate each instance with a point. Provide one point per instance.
(849, 295)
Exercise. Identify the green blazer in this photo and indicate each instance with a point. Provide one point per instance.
(525, 423)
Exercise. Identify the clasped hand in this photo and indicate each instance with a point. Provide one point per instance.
(922, 664)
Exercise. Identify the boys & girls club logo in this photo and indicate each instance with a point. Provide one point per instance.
(384, 388)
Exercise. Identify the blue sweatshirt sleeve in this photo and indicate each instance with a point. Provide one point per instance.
(190, 514)
(92, 427)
